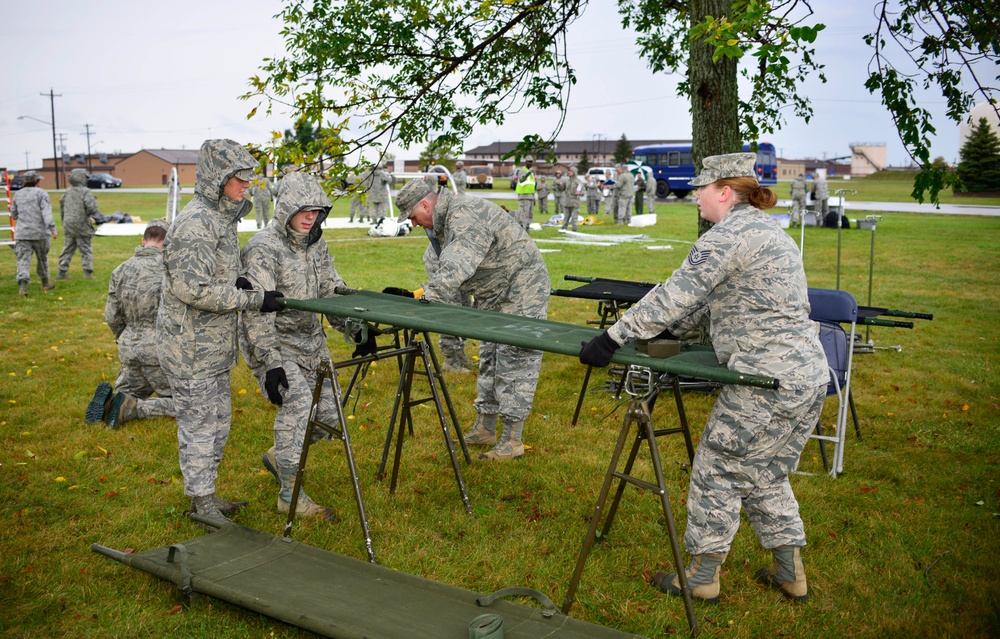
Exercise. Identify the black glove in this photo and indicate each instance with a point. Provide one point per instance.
(368, 347)
(598, 351)
(271, 304)
(393, 290)
(243, 284)
(272, 380)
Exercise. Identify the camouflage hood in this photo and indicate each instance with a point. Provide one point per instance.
(78, 177)
(219, 160)
(300, 191)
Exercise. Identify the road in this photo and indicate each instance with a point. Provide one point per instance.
(850, 205)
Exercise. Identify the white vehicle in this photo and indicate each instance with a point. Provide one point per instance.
(478, 177)
(602, 174)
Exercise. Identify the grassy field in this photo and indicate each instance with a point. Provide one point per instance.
(903, 544)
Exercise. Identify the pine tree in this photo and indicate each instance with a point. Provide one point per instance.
(623, 150)
(979, 166)
(583, 165)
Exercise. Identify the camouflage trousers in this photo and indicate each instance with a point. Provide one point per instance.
(571, 216)
(650, 203)
(359, 209)
(543, 206)
(23, 250)
(141, 381)
(85, 246)
(379, 210)
(623, 214)
(752, 441)
(507, 379)
(525, 211)
(593, 206)
(262, 211)
(798, 209)
(293, 414)
(451, 346)
(204, 410)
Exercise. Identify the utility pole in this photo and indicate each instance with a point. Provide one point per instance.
(62, 150)
(52, 104)
(27, 161)
(87, 127)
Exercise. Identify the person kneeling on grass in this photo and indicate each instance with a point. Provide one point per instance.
(286, 350)
(744, 279)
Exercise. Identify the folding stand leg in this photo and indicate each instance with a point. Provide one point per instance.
(638, 413)
(403, 407)
(854, 414)
(341, 432)
(608, 309)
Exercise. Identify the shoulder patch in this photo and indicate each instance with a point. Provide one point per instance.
(697, 257)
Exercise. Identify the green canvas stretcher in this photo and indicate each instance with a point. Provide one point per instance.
(337, 596)
(524, 332)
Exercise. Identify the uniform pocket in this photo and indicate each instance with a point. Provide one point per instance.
(740, 417)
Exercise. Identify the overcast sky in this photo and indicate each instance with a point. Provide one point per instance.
(171, 78)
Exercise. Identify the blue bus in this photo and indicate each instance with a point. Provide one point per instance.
(673, 168)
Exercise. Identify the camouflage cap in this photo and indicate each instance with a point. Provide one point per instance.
(31, 176)
(730, 165)
(160, 222)
(247, 175)
(459, 163)
(78, 177)
(529, 160)
(408, 197)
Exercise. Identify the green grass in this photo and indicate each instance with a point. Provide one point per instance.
(904, 544)
(893, 187)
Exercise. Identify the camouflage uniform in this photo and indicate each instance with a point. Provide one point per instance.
(360, 204)
(640, 192)
(261, 195)
(484, 253)
(199, 310)
(300, 266)
(798, 192)
(452, 347)
(571, 202)
(611, 200)
(822, 196)
(624, 190)
(542, 195)
(378, 194)
(594, 196)
(130, 313)
(525, 200)
(558, 186)
(458, 178)
(745, 278)
(32, 209)
(651, 195)
(76, 208)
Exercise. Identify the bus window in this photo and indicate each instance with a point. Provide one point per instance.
(673, 159)
(686, 159)
(641, 159)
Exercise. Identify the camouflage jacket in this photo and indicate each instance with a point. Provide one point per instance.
(299, 265)
(32, 209)
(260, 192)
(822, 189)
(199, 305)
(459, 177)
(133, 297)
(542, 191)
(571, 192)
(77, 206)
(748, 274)
(381, 181)
(798, 188)
(485, 253)
(624, 185)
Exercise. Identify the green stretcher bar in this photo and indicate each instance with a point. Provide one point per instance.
(523, 332)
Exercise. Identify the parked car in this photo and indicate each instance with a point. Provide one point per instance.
(16, 183)
(103, 181)
(478, 177)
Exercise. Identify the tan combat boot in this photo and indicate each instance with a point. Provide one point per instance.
(786, 573)
(205, 506)
(123, 408)
(305, 506)
(484, 431)
(702, 578)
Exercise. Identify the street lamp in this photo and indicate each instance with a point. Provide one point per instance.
(55, 154)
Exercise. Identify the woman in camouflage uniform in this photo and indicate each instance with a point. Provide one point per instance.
(744, 280)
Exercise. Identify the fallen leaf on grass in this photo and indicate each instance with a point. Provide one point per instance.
(867, 489)
(175, 609)
(80, 455)
(60, 479)
(111, 493)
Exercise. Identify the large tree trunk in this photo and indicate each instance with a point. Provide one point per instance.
(715, 124)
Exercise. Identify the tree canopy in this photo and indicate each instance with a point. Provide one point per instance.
(978, 170)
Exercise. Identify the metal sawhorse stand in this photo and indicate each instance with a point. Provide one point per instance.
(608, 309)
(404, 403)
(639, 414)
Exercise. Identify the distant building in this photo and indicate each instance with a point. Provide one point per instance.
(788, 169)
(151, 167)
(94, 163)
(867, 158)
(982, 110)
